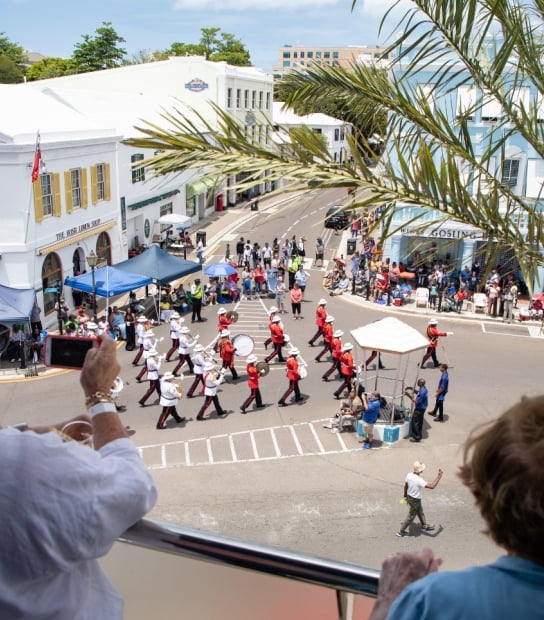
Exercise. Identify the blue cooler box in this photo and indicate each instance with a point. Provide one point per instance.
(391, 434)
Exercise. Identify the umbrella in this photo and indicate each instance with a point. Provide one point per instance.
(407, 275)
(219, 270)
(175, 219)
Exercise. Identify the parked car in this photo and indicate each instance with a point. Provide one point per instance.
(336, 218)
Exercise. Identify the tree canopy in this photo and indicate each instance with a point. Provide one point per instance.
(12, 51)
(9, 72)
(50, 68)
(101, 51)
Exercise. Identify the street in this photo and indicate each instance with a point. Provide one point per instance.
(276, 475)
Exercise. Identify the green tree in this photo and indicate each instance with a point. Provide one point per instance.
(50, 68)
(100, 51)
(12, 51)
(430, 159)
(215, 46)
(9, 72)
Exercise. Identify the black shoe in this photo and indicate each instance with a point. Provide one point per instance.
(160, 428)
(414, 440)
(439, 419)
(138, 379)
(324, 379)
(243, 409)
(311, 343)
(317, 360)
(141, 404)
(180, 420)
(222, 414)
(281, 404)
(261, 406)
(381, 367)
(432, 413)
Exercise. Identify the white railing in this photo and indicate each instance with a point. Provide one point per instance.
(166, 572)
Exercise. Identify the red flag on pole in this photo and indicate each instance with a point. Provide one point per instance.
(37, 160)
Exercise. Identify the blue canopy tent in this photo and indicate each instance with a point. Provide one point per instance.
(109, 282)
(16, 304)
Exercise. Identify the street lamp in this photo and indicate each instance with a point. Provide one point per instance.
(92, 260)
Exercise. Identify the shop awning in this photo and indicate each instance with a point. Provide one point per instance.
(200, 187)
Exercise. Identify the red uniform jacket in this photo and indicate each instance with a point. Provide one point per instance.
(224, 322)
(336, 346)
(226, 351)
(327, 333)
(432, 335)
(347, 367)
(320, 316)
(252, 376)
(277, 333)
(292, 369)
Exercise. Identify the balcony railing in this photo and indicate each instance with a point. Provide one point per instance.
(165, 572)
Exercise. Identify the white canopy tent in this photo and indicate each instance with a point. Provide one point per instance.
(394, 337)
(175, 219)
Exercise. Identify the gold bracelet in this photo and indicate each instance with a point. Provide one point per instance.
(98, 397)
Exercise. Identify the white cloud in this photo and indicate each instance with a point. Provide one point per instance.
(253, 5)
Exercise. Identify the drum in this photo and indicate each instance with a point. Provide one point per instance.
(303, 371)
(243, 344)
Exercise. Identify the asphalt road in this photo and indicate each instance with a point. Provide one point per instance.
(277, 476)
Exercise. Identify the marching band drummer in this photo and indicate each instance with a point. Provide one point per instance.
(142, 324)
(278, 339)
(199, 361)
(212, 380)
(271, 314)
(347, 369)
(170, 396)
(175, 326)
(327, 331)
(336, 352)
(293, 375)
(320, 316)
(253, 376)
(153, 364)
(185, 343)
(227, 352)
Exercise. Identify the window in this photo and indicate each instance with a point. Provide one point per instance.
(51, 278)
(318, 54)
(253, 99)
(287, 54)
(138, 173)
(336, 134)
(229, 97)
(166, 209)
(302, 54)
(286, 63)
(238, 98)
(260, 100)
(75, 189)
(47, 196)
(335, 55)
(295, 54)
(510, 173)
(103, 248)
(342, 134)
(326, 54)
(100, 183)
(268, 101)
(246, 99)
(310, 55)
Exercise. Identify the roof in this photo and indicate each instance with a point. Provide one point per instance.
(288, 117)
(389, 335)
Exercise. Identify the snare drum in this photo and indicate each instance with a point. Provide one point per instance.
(243, 344)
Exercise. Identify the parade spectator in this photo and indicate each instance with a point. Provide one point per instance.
(413, 487)
(281, 290)
(296, 299)
(441, 391)
(371, 413)
(15, 344)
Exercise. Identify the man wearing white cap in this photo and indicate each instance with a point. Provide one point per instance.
(320, 316)
(271, 314)
(278, 339)
(336, 352)
(253, 376)
(153, 364)
(185, 343)
(347, 369)
(294, 377)
(170, 395)
(141, 326)
(199, 361)
(433, 334)
(328, 332)
(212, 380)
(227, 353)
(175, 326)
(413, 488)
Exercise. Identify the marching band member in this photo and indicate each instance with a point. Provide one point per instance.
(347, 369)
(271, 314)
(223, 324)
(175, 326)
(253, 376)
(153, 364)
(320, 316)
(142, 324)
(149, 342)
(212, 380)
(294, 377)
(336, 352)
(278, 339)
(185, 343)
(372, 357)
(199, 361)
(227, 352)
(170, 395)
(327, 331)
(433, 334)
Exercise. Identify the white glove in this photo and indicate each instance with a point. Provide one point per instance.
(222, 371)
(196, 337)
(449, 333)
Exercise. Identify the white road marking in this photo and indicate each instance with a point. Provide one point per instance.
(493, 329)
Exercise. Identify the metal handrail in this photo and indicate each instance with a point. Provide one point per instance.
(197, 544)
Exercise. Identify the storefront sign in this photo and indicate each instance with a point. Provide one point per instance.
(443, 233)
(76, 230)
(196, 85)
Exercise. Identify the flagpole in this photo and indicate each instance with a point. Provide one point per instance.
(36, 163)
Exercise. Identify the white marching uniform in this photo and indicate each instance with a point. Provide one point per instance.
(153, 365)
(186, 342)
(149, 342)
(140, 333)
(199, 361)
(169, 393)
(175, 326)
(212, 379)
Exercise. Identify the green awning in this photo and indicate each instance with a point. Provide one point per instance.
(153, 199)
(202, 186)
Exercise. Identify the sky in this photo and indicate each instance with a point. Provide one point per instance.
(54, 27)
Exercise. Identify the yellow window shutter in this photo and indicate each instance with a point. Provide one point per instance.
(84, 189)
(56, 195)
(38, 202)
(107, 193)
(94, 185)
(68, 191)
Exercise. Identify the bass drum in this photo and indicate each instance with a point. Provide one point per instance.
(243, 344)
(303, 371)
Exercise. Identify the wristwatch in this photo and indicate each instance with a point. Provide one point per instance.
(22, 426)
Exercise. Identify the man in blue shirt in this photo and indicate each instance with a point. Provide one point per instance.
(421, 401)
(440, 394)
(371, 413)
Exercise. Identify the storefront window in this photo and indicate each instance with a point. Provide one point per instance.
(51, 274)
(103, 248)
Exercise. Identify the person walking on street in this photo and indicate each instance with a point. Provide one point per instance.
(293, 375)
(347, 370)
(253, 376)
(441, 391)
(199, 361)
(328, 331)
(196, 301)
(336, 352)
(420, 398)
(433, 334)
(413, 492)
(320, 316)
(278, 339)
(170, 396)
(212, 380)
(227, 353)
(153, 364)
(186, 341)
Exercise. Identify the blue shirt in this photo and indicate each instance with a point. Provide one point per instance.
(422, 401)
(510, 588)
(443, 384)
(371, 414)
